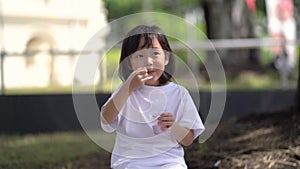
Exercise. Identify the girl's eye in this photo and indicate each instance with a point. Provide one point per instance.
(139, 56)
(156, 53)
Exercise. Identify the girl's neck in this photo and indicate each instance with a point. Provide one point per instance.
(158, 84)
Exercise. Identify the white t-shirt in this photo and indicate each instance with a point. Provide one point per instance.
(139, 140)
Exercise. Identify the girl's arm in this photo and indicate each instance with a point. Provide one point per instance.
(111, 110)
(183, 135)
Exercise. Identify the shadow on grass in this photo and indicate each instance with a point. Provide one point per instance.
(267, 140)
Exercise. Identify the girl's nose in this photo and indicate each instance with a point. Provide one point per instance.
(149, 61)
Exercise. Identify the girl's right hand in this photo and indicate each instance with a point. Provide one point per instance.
(137, 79)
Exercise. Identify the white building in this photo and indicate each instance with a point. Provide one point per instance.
(43, 25)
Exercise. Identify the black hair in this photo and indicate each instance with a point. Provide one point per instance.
(130, 45)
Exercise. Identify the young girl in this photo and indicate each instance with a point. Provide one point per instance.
(153, 116)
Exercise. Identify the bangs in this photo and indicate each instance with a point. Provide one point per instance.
(148, 40)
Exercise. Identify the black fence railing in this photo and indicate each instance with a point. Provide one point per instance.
(48, 113)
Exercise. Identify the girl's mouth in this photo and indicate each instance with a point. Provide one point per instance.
(150, 72)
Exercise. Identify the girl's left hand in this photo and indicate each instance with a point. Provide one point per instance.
(165, 121)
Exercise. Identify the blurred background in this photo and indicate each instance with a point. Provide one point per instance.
(41, 40)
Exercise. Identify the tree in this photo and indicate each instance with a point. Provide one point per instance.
(117, 9)
(226, 19)
(297, 14)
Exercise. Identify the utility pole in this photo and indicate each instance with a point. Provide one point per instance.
(2, 51)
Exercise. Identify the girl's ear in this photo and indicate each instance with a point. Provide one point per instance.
(167, 56)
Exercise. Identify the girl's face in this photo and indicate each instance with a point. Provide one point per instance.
(153, 59)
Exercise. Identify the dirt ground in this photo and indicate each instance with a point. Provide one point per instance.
(261, 141)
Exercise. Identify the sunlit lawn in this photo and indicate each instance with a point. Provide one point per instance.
(245, 81)
(46, 151)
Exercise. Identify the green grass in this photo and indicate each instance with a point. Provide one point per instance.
(52, 90)
(112, 60)
(252, 81)
(46, 151)
(246, 81)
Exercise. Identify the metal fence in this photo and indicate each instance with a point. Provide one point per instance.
(207, 45)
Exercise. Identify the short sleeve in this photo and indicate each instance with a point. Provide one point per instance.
(112, 126)
(109, 128)
(188, 116)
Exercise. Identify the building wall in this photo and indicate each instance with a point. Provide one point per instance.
(53, 24)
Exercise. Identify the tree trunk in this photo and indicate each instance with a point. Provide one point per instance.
(297, 14)
(297, 103)
(218, 22)
(227, 19)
